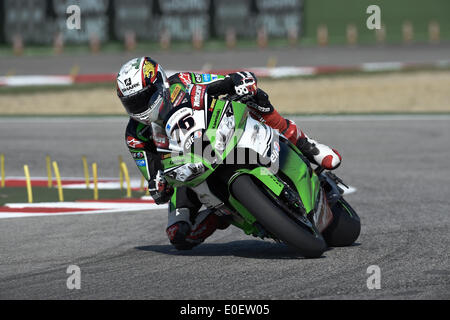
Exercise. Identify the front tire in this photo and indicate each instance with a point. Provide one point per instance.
(345, 227)
(275, 220)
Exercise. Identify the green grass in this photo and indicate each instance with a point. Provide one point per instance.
(337, 14)
(43, 194)
(143, 46)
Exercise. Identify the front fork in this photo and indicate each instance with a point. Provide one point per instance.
(329, 183)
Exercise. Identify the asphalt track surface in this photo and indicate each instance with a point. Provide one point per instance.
(399, 165)
(228, 59)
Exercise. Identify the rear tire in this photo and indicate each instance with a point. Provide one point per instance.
(345, 227)
(275, 220)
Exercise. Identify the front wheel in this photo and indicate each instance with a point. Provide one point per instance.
(345, 227)
(275, 220)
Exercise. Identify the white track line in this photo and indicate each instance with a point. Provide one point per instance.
(5, 215)
(85, 205)
(103, 207)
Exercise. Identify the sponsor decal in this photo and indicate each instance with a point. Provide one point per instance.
(197, 78)
(197, 97)
(274, 156)
(275, 152)
(130, 87)
(136, 63)
(141, 163)
(211, 107)
(128, 82)
(214, 77)
(179, 99)
(178, 91)
(175, 90)
(215, 118)
(138, 155)
(206, 77)
(198, 134)
(189, 142)
(185, 78)
(276, 146)
(134, 143)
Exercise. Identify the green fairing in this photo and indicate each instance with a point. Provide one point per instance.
(297, 170)
(187, 158)
(144, 172)
(239, 111)
(265, 176)
(290, 163)
(173, 200)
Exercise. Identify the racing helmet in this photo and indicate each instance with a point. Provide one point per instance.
(143, 89)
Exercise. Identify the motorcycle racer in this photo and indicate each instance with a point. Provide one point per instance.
(149, 97)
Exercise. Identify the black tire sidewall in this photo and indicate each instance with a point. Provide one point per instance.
(275, 220)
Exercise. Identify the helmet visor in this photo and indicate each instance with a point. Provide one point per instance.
(156, 110)
(138, 102)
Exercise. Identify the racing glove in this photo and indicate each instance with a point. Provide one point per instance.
(244, 82)
(159, 189)
(259, 103)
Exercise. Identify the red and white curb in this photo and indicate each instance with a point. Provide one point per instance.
(22, 210)
(263, 72)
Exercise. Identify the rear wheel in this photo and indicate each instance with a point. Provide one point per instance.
(345, 227)
(275, 220)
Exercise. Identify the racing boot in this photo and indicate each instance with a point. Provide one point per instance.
(177, 234)
(315, 152)
(184, 236)
(206, 223)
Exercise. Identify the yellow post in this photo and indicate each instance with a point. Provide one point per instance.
(86, 171)
(2, 168)
(74, 71)
(49, 170)
(121, 172)
(147, 192)
(141, 188)
(27, 177)
(95, 177)
(58, 180)
(127, 178)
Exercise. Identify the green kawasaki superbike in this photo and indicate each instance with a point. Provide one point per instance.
(251, 175)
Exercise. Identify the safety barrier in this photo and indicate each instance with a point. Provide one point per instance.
(54, 179)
